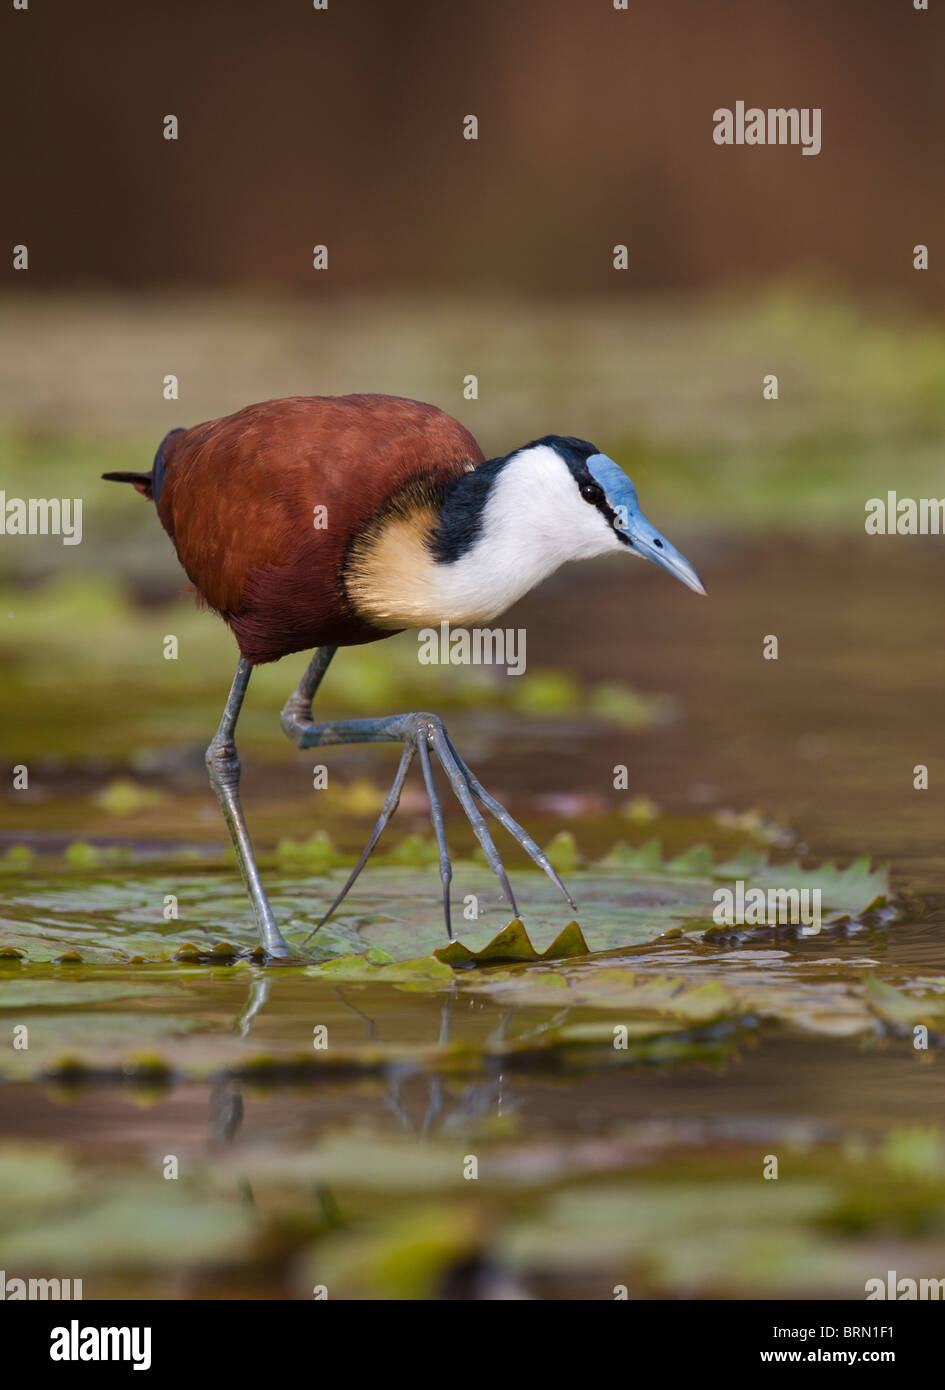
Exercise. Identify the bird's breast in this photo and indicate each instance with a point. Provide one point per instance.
(394, 581)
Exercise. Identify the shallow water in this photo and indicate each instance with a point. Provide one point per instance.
(823, 741)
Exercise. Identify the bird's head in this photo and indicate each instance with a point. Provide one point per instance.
(583, 504)
(500, 528)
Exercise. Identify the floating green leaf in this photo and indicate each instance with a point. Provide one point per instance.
(513, 944)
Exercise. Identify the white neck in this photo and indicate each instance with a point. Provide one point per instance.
(534, 520)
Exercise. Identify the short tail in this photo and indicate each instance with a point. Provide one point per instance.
(149, 484)
(142, 481)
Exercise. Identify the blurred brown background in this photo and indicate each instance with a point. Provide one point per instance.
(344, 127)
(193, 260)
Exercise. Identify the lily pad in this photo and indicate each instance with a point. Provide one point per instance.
(624, 901)
(513, 944)
(77, 1040)
(426, 969)
(57, 993)
(143, 1225)
(636, 961)
(901, 1011)
(619, 989)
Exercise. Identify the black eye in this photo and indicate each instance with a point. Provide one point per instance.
(591, 492)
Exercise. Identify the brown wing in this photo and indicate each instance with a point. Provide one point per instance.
(239, 498)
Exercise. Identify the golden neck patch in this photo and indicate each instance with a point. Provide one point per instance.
(390, 575)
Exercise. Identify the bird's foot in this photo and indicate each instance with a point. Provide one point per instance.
(424, 734)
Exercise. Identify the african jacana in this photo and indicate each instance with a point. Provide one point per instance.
(418, 529)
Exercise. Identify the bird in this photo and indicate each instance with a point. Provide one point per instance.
(321, 522)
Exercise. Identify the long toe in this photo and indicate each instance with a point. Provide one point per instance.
(457, 779)
(390, 806)
(436, 816)
(536, 854)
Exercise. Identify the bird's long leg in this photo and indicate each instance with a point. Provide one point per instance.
(223, 766)
(417, 732)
